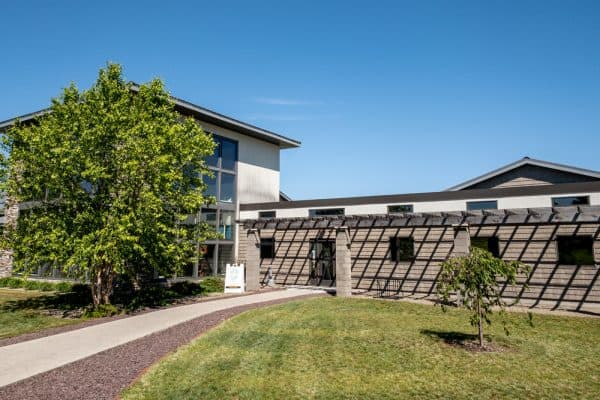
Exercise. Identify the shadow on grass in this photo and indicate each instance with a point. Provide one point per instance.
(125, 299)
(465, 341)
(79, 297)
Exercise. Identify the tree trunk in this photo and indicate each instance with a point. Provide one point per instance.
(102, 285)
(480, 324)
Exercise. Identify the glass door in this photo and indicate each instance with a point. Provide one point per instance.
(322, 265)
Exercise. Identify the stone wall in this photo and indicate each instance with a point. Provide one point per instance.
(11, 214)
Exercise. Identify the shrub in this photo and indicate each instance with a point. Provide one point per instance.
(212, 284)
(102, 310)
(15, 283)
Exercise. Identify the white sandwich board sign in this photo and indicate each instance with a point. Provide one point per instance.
(234, 278)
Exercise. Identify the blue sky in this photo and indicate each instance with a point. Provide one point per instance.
(386, 97)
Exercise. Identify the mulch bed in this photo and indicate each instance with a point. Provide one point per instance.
(106, 374)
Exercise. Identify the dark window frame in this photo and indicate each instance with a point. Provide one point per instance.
(471, 203)
(492, 245)
(267, 248)
(322, 212)
(559, 198)
(563, 259)
(271, 214)
(409, 210)
(395, 256)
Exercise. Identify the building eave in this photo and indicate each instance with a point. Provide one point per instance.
(200, 113)
(520, 163)
(469, 194)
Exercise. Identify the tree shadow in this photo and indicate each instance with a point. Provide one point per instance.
(79, 297)
(466, 341)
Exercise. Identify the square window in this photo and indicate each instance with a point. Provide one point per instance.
(400, 208)
(491, 244)
(570, 201)
(402, 249)
(267, 248)
(575, 250)
(482, 205)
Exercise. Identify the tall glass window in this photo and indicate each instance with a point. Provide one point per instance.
(226, 224)
(211, 190)
(227, 194)
(228, 154)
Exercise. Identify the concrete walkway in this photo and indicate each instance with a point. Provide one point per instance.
(25, 359)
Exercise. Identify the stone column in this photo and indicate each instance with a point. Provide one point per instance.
(252, 260)
(343, 263)
(11, 214)
(462, 241)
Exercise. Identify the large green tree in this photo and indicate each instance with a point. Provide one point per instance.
(105, 181)
(473, 282)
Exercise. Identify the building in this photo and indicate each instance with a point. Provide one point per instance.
(246, 166)
(544, 214)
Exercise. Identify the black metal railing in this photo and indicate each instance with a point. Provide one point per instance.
(388, 287)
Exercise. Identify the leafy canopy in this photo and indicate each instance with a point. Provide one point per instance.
(473, 280)
(105, 180)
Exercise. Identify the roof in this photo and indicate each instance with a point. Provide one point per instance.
(561, 188)
(201, 113)
(522, 162)
(542, 215)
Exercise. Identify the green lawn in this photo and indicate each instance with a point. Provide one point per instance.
(329, 348)
(20, 313)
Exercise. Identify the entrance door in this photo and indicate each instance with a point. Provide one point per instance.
(322, 262)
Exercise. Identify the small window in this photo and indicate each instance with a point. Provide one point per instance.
(402, 249)
(267, 247)
(400, 208)
(266, 214)
(482, 205)
(322, 212)
(491, 244)
(570, 201)
(575, 250)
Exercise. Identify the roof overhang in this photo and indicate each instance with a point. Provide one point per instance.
(558, 189)
(201, 114)
(520, 163)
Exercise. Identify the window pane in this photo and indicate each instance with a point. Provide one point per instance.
(266, 214)
(214, 159)
(575, 250)
(491, 244)
(228, 154)
(209, 216)
(325, 212)
(400, 208)
(211, 183)
(267, 248)
(570, 201)
(482, 205)
(402, 249)
(227, 188)
(226, 224)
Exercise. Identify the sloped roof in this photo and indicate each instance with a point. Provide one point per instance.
(522, 162)
(201, 113)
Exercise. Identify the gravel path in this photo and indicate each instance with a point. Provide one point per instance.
(106, 374)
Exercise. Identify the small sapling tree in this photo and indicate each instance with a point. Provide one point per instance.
(473, 280)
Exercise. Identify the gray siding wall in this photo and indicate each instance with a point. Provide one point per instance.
(550, 284)
(530, 175)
